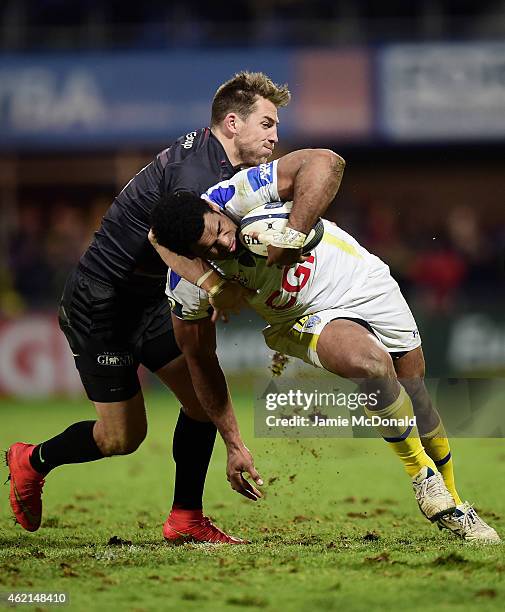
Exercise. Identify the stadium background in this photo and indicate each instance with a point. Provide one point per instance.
(411, 94)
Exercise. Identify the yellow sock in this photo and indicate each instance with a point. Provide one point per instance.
(403, 438)
(437, 447)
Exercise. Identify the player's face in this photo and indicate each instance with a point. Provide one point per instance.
(257, 136)
(219, 238)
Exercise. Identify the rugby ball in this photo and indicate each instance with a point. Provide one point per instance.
(269, 219)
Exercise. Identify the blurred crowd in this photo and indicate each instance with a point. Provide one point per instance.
(440, 263)
(43, 245)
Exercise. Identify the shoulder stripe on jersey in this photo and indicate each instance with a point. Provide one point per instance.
(221, 195)
(341, 244)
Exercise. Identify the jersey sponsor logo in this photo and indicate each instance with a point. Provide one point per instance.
(115, 359)
(190, 139)
(292, 285)
(260, 176)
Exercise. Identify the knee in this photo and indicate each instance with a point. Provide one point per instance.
(124, 444)
(371, 364)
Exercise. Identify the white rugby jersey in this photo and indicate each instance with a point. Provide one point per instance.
(334, 276)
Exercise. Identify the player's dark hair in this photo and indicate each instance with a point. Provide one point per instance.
(177, 231)
(239, 94)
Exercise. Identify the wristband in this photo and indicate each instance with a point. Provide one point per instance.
(288, 239)
(217, 288)
(204, 277)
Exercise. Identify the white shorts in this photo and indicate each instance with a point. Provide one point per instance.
(381, 305)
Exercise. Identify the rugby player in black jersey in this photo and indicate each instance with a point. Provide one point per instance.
(115, 316)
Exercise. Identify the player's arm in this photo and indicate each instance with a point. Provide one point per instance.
(197, 341)
(190, 269)
(311, 178)
(225, 296)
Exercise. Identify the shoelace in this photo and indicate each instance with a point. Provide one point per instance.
(433, 485)
(470, 519)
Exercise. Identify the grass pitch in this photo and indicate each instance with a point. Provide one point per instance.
(338, 527)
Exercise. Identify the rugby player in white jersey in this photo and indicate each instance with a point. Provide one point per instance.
(337, 308)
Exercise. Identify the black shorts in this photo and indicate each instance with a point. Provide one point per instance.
(111, 330)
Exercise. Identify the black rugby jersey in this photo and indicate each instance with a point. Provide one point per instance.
(120, 251)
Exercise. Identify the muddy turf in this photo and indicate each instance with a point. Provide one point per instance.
(338, 528)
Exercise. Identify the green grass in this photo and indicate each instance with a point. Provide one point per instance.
(338, 528)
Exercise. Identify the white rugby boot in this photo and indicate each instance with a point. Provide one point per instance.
(467, 524)
(432, 495)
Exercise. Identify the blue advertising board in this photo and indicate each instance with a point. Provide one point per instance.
(109, 99)
(398, 93)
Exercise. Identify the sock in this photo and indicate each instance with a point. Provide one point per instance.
(404, 440)
(437, 447)
(75, 445)
(192, 449)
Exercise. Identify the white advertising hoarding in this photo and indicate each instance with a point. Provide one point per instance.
(442, 91)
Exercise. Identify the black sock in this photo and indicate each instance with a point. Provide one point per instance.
(74, 445)
(192, 450)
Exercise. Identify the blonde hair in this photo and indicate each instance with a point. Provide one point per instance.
(239, 94)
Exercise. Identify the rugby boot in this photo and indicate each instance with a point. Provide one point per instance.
(184, 526)
(432, 495)
(467, 524)
(26, 486)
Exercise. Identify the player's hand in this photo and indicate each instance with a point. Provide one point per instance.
(284, 248)
(151, 237)
(240, 461)
(230, 300)
(278, 256)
